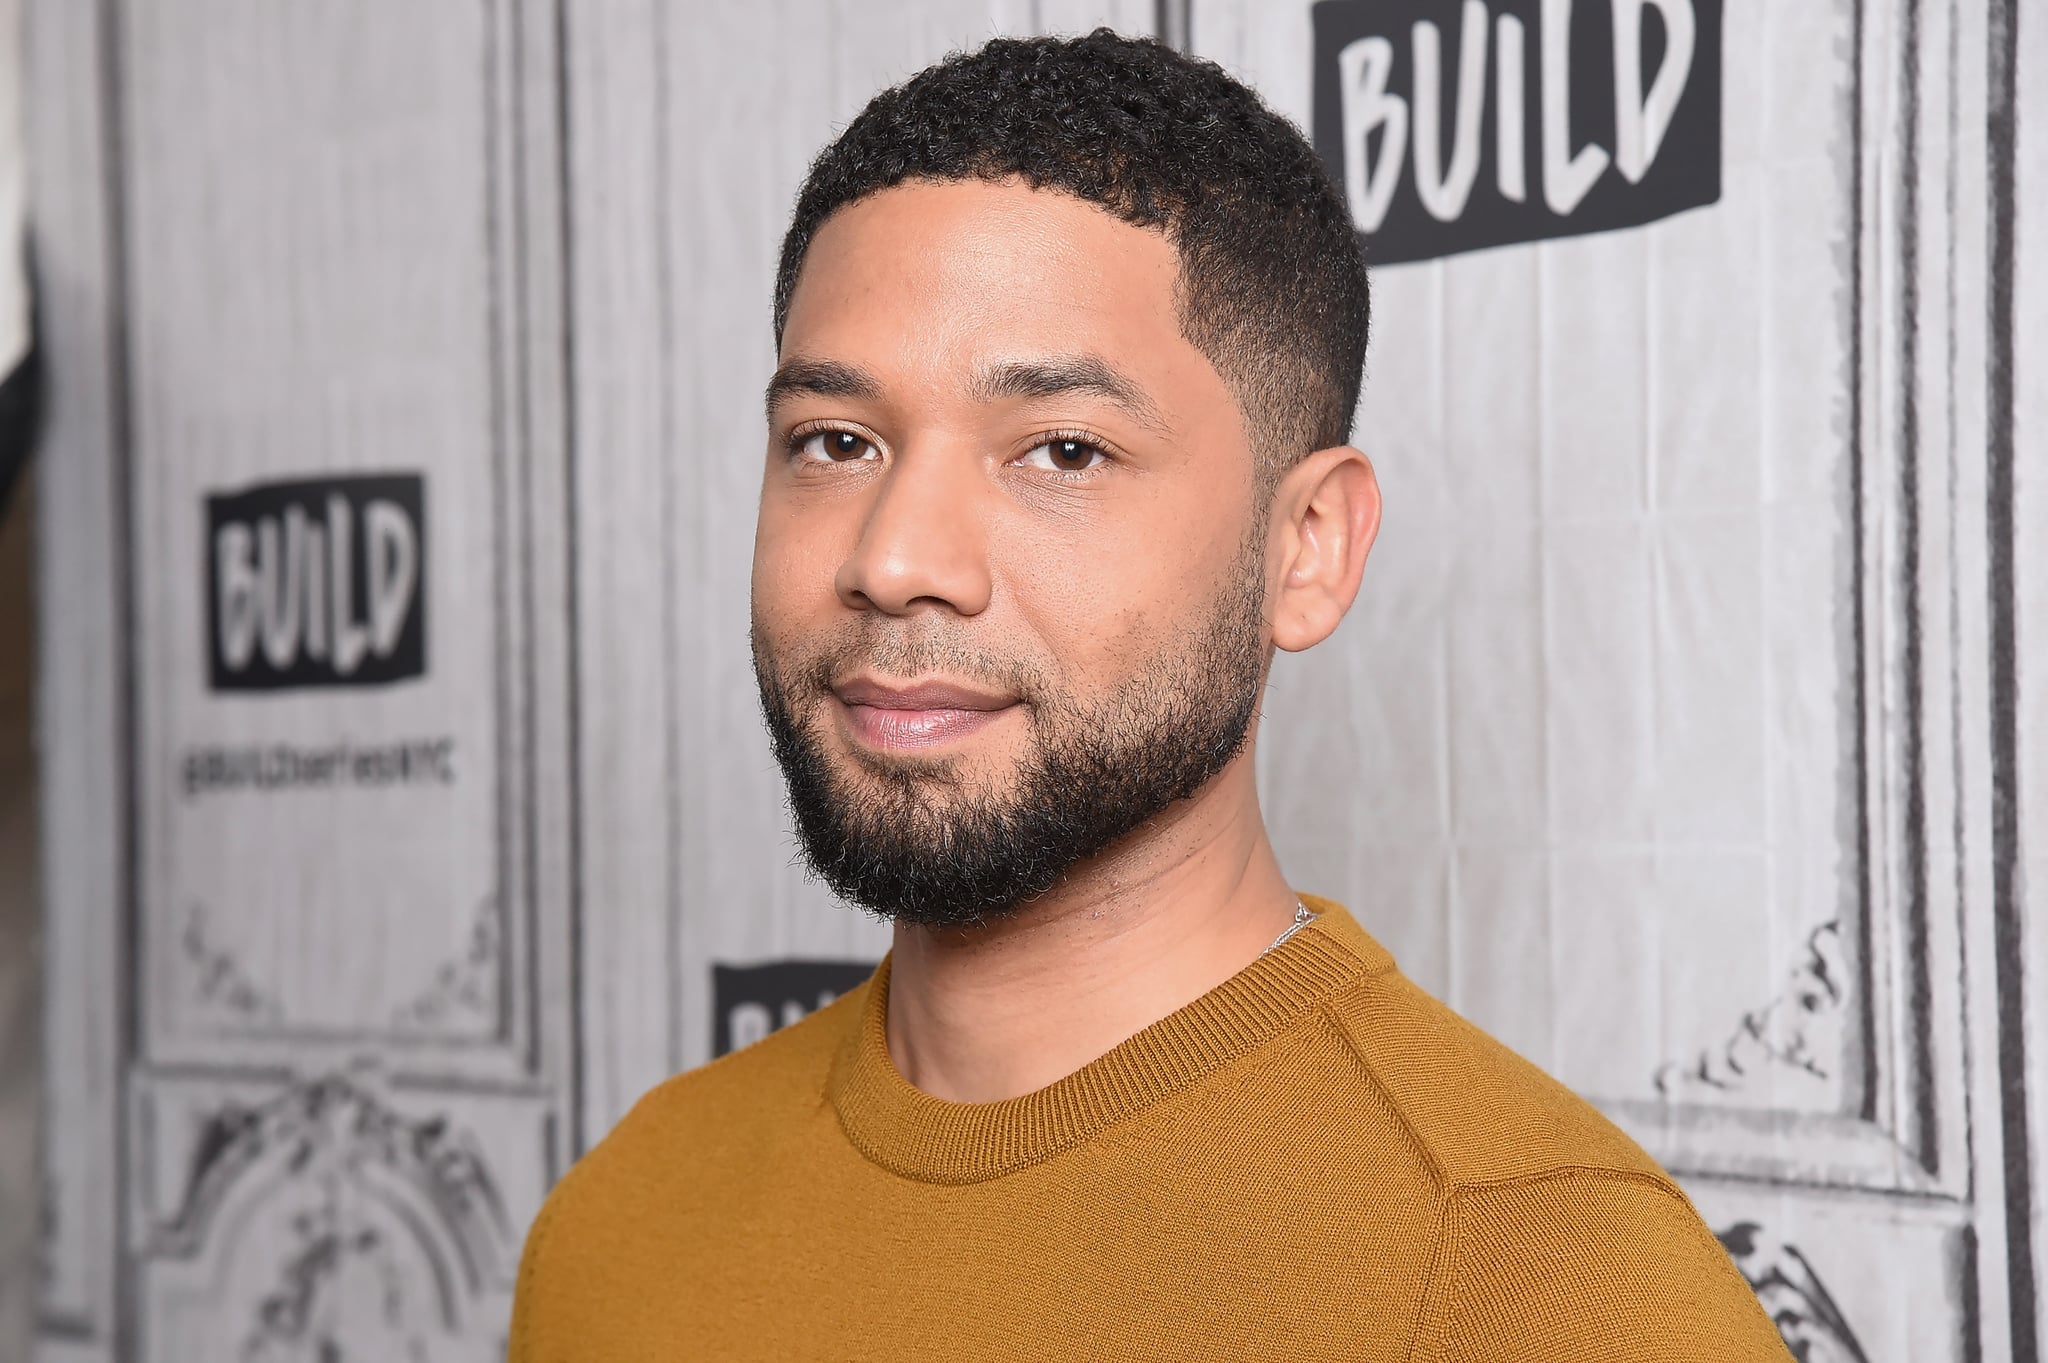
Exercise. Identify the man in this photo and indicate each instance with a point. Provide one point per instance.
(1071, 334)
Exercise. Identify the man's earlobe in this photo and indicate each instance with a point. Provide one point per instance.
(1327, 511)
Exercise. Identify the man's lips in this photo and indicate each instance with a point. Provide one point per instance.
(922, 714)
(924, 695)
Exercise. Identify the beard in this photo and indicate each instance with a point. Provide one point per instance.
(912, 840)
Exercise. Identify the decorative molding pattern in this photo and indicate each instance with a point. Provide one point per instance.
(341, 1286)
(221, 983)
(1799, 1030)
(467, 985)
(334, 1130)
(1798, 1302)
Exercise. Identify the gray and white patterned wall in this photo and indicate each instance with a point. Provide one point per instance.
(1684, 733)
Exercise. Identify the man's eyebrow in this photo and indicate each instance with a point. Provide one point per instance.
(1067, 374)
(821, 378)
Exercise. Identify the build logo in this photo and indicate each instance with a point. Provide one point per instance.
(750, 1001)
(319, 582)
(1453, 126)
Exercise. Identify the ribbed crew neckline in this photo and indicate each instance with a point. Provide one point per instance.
(911, 1133)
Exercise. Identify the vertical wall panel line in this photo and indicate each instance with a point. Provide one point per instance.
(565, 167)
(126, 914)
(1174, 24)
(2007, 929)
(1926, 1133)
(673, 822)
(1864, 890)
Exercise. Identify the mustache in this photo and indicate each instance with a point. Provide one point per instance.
(895, 648)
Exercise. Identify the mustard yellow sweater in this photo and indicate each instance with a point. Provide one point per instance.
(1313, 1161)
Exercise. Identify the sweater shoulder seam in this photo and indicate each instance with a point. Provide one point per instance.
(1432, 1306)
(1662, 1184)
(1372, 1079)
(1447, 1183)
(1439, 1303)
(1563, 1171)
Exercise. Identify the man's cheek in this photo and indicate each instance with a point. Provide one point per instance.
(788, 612)
(1124, 642)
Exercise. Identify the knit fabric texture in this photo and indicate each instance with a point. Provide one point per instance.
(1313, 1161)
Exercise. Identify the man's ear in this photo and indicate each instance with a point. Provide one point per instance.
(1325, 515)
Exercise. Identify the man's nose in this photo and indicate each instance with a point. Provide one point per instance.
(922, 543)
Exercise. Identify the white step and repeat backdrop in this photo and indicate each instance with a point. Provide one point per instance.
(407, 814)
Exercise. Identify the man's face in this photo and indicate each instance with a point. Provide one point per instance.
(1009, 569)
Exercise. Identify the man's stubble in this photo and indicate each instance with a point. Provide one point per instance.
(913, 841)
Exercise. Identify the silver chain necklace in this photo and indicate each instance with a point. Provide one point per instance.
(1303, 916)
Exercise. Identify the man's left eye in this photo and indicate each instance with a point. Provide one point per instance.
(835, 447)
(1063, 456)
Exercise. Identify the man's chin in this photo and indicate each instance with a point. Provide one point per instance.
(936, 779)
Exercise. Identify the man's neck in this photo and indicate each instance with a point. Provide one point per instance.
(1001, 1011)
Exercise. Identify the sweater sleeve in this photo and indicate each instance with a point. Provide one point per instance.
(1580, 1265)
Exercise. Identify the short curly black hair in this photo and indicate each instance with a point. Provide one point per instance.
(1272, 282)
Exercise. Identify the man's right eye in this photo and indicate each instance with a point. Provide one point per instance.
(836, 447)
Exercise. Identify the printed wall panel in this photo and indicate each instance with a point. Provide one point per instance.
(1654, 743)
(339, 464)
(360, 463)
(328, 273)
